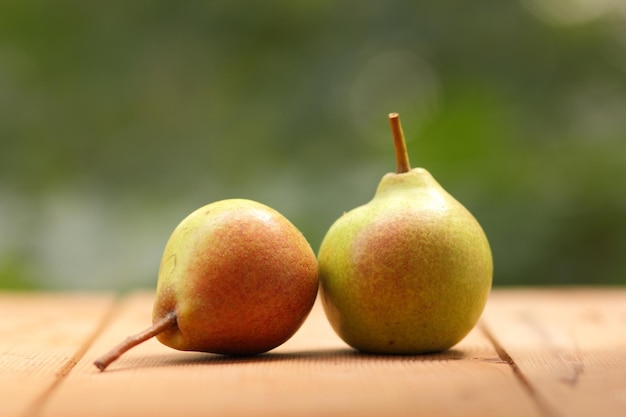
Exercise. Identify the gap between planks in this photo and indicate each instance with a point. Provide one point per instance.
(39, 402)
(566, 346)
(542, 406)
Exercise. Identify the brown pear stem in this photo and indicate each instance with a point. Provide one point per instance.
(402, 156)
(163, 324)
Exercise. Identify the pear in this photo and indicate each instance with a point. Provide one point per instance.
(410, 271)
(236, 278)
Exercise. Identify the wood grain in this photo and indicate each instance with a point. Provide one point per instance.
(536, 352)
(312, 374)
(42, 336)
(568, 346)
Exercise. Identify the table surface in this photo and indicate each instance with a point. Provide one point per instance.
(536, 352)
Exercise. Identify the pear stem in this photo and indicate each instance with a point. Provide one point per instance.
(402, 157)
(163, 324)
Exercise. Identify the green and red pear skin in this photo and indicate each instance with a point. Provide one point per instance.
(241, 278)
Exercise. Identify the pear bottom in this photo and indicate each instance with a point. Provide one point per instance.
(400, 329)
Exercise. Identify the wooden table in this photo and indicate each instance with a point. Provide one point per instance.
(548, 352)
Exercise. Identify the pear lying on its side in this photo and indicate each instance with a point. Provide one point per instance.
(236, 278)
(410, 271)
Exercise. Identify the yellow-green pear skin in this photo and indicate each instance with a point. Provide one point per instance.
(409, 272)
(239, 276)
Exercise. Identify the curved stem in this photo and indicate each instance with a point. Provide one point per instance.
(165, 323)
(402, 157)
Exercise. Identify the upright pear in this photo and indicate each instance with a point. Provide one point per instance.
(410, 271)
(236, 278)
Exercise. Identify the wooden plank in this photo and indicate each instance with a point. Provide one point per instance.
(569, 347)
(42, 336)
(312, 374)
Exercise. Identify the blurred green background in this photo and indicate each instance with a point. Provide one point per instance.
(117, 119)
